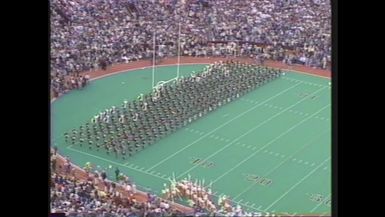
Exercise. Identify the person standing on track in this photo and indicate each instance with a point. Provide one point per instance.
(67, 166)
(117, 173)
(53, 161)
(103, 174)
(55, 150)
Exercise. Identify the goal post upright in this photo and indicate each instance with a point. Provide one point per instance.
(178, 66)
(153, 62)
(155, 84)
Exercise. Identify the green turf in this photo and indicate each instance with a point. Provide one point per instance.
(277, 131)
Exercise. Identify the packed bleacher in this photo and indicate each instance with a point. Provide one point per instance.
(61, 84)
(83, 198)
(94, 195)
(78, 198)
(91, 34)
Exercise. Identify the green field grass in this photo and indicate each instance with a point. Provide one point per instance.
(280, 132)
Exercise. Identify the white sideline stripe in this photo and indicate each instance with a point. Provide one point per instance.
(139, 68)
(222, 125)
(134, 69)
(307, 82)
(116, 163)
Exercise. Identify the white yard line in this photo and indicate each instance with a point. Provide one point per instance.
(219, 127)
(299, 182)
(133, 69)
(249, 131)
(284, 161)
(266, 145)
(320, 203)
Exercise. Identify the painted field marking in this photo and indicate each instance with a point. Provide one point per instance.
(222, 125)
(282, 162)
(266, 145)
(319, 204)
(116, 163)
(298, 183)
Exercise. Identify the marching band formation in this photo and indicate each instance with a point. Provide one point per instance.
(129, 128)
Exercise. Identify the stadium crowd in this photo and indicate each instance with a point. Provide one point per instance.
(88, 34)
(83, 198)
(77, 197)
(62, 84)
(88, 198)
(92, 34)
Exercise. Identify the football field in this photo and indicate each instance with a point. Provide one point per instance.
(270, 150)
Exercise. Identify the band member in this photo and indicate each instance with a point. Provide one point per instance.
(135, 117)
(122, 119)
(145, 106)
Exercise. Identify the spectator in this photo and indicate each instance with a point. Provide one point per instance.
(82, 34)
(55, 150)
(103, 175)
(77, 198)
(53, 161)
